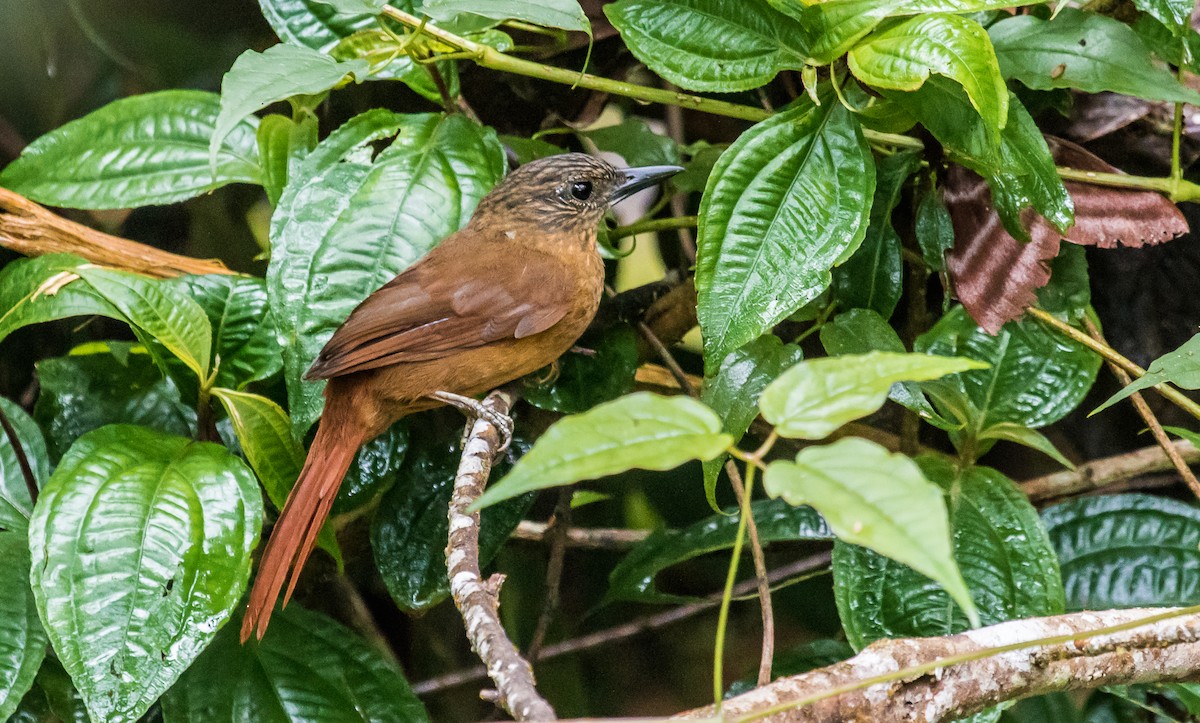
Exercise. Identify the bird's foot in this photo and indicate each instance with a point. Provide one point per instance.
(475, 409)
(551, 374)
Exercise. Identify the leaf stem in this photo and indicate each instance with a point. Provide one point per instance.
(727, 595)
(657, 224)
(1111, 355)
(1177, 189)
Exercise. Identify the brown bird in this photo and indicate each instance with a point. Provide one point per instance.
(503, 297)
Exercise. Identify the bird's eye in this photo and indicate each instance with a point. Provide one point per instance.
(581, 190)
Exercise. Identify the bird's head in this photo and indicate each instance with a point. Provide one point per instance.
(566, 193)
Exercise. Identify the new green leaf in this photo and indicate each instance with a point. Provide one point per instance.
(1180, 367)
(141, 549)
(638, 431)
(143, 150)
(816, 397)
(565, 14)
(879, 500)
(710, 45)
(788, 201)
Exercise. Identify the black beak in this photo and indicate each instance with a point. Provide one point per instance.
(638, 178)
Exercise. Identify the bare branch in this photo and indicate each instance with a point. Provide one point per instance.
(479, 601)
(594, 538)
(1106, 471)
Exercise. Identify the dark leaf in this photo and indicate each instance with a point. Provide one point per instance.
(584, 379)
(22, 639)
(810, 656)
(15, 505)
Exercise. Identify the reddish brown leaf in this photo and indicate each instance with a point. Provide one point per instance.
(996, 276)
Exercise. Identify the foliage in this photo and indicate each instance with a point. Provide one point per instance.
(827, 212)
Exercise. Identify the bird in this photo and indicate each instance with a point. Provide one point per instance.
(503, 297)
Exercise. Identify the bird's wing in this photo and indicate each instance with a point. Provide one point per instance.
(452, 300)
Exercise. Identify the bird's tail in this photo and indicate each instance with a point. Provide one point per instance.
(302, 517)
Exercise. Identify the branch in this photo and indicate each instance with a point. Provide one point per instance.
(933, 679)
(29, 229)
(479, 601)
(592, 538)
(1106, 471)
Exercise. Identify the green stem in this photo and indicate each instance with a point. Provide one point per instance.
(1112, 355)
(1177, 128)
(916, 671)
(1176, 189)
(658, 224)
(727, 596)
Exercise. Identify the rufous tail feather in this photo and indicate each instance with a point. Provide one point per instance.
(303, 515)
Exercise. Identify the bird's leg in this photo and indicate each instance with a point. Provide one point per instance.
(551, 374)
(474, 408)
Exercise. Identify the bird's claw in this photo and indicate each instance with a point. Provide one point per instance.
(477, 410)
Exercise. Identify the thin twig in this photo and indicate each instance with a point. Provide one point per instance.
(1147, 415)
(673, 115)
(479, 601)
(628, 630)
(19, 451)
(557, 534)
(593, 538)
(1107, 471)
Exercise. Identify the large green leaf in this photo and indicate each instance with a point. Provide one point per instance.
(565, 14)
(257, 80)
(138, 151)
(346, 224)
(15, 505)
(710, 45)
(1019, 168)
(22, 639)
(313, 23)
(1176, 15)
(44, 288)
(410, 528)
(1002, 550)
(904, 55)
(877, 499)
(1178, 367)
(873, 277)
(1034, 378)
(788, 201)
(106, 383)
(638, 431)
(176, 322)
(141, 548)
(1126, 551)
(580, 381)
(733, 392)
(633, 140)
(633, 578)
(306, 668)
(816, 397)
(264, 434)
(244, 347)
(1086, 51)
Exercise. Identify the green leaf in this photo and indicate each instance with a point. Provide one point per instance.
(15, 505)
(816, 397)
(138, 151)
(638, 431)
(106, 383)
(583, 380)
(934, 230)
(22, 640)
(565, 14)
(371, 7)
(1180, 367)
(257, 80)
(409, 528)
(1003, 553)
(1069, 293)
(1085, 51)
(873, 277)
(1020, 170)
(1174, 14)
(347, 223)
(902, 57)
(633, 578)
(701, 157)
(264, 434)
(176, 322)
(838, 25)
(879, 500)
(859, 331)
(1010, 432)
(43, 288)
(389, 61)
(1126, 551)
(721, 46)
(809, 656)
(1035, 376)
(243, 332)
(313, 23)
(1046, 708)
(733, 393)
(141, 548)
(374, 470)
(788, 201)
(306, 668)
(633, 140)
(282, 144)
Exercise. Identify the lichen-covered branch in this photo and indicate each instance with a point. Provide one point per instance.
(1162, 650)
(479, 600)
(29, 229)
